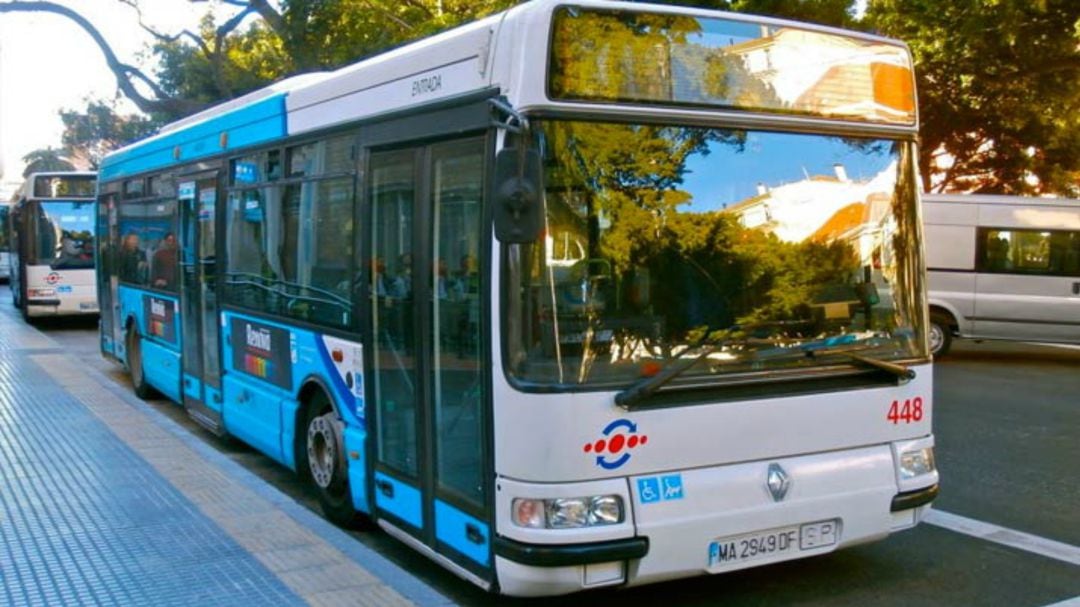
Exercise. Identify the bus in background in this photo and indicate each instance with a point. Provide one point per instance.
(573, 296)
(52, 245)
(1002, 267)
(5, 236)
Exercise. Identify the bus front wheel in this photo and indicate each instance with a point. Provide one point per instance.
(135, 364)
(326, 466)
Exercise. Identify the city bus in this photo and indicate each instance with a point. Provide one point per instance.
(575, 296)
(52, 245)
(5, 247)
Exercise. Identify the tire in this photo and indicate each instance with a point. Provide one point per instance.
(325, 465)
(940, 335)
(133, 344)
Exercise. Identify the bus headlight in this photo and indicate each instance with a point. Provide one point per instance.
(568, 512)
(917, 462)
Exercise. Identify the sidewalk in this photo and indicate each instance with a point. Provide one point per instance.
(105, 501)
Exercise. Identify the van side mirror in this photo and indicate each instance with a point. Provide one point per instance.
(518, 212)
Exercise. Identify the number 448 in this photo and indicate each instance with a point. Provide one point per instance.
(910, 411)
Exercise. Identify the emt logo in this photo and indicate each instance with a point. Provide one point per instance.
(613, 448)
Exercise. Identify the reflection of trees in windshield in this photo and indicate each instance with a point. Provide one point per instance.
(630, 56)
(64, 234)
(654, 270)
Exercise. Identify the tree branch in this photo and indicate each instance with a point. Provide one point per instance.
(405, 25)
(166, 37)
(124, 73)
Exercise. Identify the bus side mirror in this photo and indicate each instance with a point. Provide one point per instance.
(519, 214)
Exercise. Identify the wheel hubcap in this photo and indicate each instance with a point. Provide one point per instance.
(937, 338)
(322, 450)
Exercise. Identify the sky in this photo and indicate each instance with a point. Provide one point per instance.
(47, 63)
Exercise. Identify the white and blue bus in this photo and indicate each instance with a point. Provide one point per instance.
(577, 295)
(52, 245)
(5, 240)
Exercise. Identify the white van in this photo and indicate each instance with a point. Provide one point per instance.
(1002, 267)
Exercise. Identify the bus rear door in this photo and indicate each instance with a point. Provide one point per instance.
(201, 381)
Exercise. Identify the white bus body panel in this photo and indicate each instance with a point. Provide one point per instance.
(998, 305)
(541, 437)
(441, 67)
(75, 291)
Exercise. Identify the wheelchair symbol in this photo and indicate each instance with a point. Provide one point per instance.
(649, 490)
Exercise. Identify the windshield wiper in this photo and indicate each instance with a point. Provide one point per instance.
(647, 387)
(902, 372)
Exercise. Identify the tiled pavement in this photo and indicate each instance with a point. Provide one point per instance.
(104, 501)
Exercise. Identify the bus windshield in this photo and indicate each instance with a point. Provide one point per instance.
(63, 234)
(766, 252)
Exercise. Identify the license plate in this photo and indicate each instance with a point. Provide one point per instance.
(736, 549)
(87, 306)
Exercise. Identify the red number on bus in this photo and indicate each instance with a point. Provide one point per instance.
(910, 411)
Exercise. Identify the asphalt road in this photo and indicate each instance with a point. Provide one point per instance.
(1007, 422)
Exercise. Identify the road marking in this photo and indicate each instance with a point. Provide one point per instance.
(1073, 602)
(1007, 537)
(1065, 346)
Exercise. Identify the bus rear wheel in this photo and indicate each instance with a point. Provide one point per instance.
(325, 463)
(133, 345)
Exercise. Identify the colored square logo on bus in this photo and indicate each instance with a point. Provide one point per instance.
(160, 318)
(261, 351)
(649, 490)
(665, 488)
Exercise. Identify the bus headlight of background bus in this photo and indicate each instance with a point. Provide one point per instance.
(568, 512)
(917, 462)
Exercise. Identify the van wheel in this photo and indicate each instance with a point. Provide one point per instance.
(940, 334)
(133, 343)
(325, 462)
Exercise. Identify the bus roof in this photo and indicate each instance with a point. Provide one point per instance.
(478, 56)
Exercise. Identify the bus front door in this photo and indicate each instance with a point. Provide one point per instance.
(432, 466)
(201, 382)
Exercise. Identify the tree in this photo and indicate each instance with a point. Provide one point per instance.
(999, 91)
(48, 159)
(218, 61)
(93, 132)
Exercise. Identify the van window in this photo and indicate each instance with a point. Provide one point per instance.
(1040, 252)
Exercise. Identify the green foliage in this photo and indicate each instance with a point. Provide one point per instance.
(48, 159)
(91, 133)
(999, 91)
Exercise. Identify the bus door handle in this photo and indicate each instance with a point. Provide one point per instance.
(473, 534)
(386, 488)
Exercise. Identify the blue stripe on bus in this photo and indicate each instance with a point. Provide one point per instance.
(252, 413)
(344, 395)
(192, 387)
(452, 529)
(403, 500)
(132, 305)
(355, 439)
(161, 368)
(259, 122)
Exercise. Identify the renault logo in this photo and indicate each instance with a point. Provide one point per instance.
(778, 482)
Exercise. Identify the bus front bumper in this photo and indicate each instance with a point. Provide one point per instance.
(726, 518)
